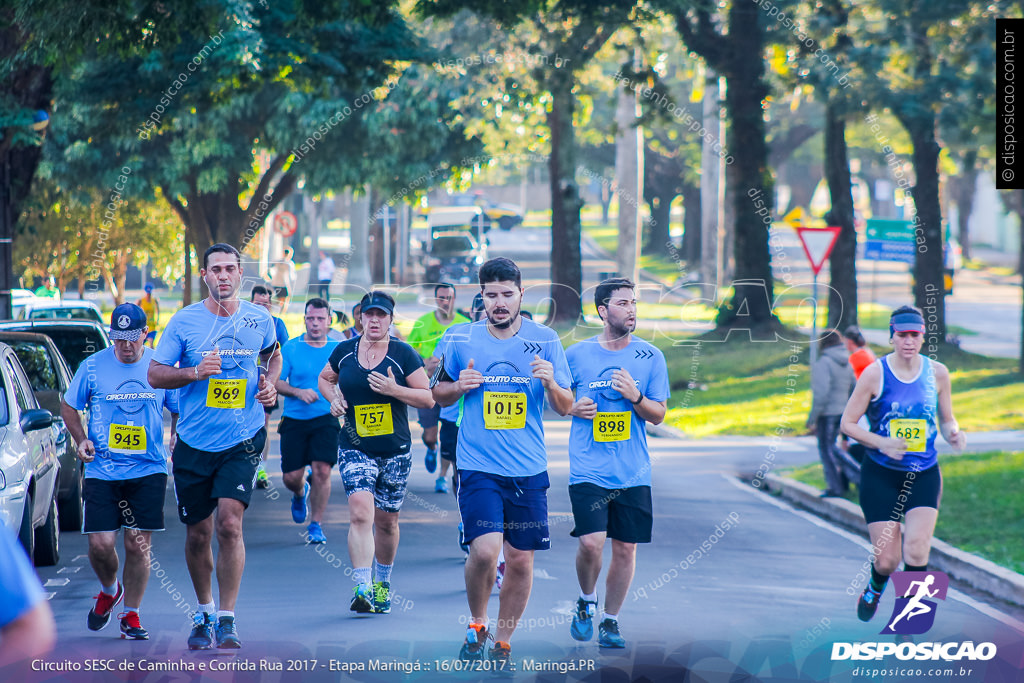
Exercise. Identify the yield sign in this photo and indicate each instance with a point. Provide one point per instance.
(817, 244)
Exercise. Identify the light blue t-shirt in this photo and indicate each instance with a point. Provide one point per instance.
(281, 330)
(20, 589)
(509, 394)
(120, 399)
(300, 367)
(613, 464)
(191, 334)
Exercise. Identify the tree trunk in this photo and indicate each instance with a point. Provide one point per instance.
(606, 201)
(929, 289)
(751, 306)
(629, 183)
(658, 234)
(186, 290)
(691, 225)
(566, 260)
(964, 193)
(842, 297)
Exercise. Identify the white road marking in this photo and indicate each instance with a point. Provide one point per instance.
(987, 610)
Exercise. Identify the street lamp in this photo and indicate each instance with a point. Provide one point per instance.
(40, 120)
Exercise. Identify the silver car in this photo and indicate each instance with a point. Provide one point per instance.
(28, 464)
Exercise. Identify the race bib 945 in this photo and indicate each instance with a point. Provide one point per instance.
(126, 438)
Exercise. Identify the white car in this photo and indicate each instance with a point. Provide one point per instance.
(28, 464)
(50, 309)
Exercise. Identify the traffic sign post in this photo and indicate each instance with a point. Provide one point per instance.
(285, 223)
(817, 244)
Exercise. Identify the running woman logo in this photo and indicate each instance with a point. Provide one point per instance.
(914, 613)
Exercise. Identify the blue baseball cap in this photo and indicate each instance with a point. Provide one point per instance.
(907, 321)
(379, 300)
(148, 287)
(127, 322)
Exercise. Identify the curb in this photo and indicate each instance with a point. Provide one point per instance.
(664, 431)
(973, 570)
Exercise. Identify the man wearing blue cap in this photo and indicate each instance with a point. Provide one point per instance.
(125, 463)
(907, 399)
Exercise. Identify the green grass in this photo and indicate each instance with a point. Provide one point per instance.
(660, 266)
(740, 388)
(982, 509)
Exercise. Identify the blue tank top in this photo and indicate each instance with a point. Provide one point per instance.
(907, 410)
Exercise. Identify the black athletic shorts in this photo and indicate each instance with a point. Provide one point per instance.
(886, 494)
(202, 477)
(303, 441)
(626, 515)
(269, 410)
(449, 438)
(133, 503)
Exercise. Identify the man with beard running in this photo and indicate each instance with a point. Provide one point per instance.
(621, 383)
(502, 367)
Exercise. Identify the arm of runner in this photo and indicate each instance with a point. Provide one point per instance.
(86, 449)
(174, 433)
(585, 408)
(447, 392)
(855, 409)
(648, 409)
(307, 396)
(271, 360)
(561, 398)
(328, 385)
(416, 394)
(947, 423)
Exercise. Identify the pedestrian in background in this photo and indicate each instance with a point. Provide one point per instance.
(831, 383)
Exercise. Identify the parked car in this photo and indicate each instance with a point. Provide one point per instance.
(454, 257)
(48, 309)
(75, 339)
(28, 464)
(507, 216)
(50, 378)
(19, 299)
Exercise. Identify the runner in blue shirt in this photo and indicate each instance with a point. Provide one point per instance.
(907, 399)
(125, 463)
(309, 433)
(261, 295)
(502, 368)
(227, 363)
(621, 383)
(27, 628)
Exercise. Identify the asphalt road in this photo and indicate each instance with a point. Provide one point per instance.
(734, 584)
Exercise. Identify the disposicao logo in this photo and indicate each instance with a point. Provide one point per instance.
(914, 614)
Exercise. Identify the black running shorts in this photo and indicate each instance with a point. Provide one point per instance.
(303, 441)
(203, 477)
(132, 503)
(625, 514)
(886, 494)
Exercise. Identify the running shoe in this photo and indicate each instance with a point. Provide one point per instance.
(201, 637)
(382, 597)
(300, 508)
(131, 628)
(440, 485)
(476, 640)
(262, 482)
(608, 634)
(315, 534)
(867, 605)
(499, 576)
(362, 599)
(227, 634)
(430, 460)
(500, 652)
(99, 615)
(462, 539)
(582, 627)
